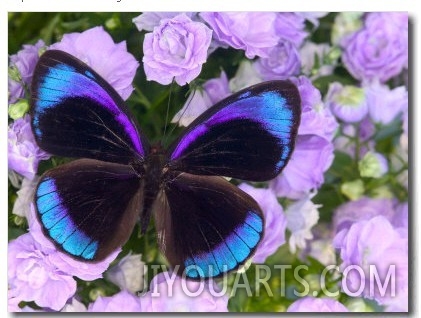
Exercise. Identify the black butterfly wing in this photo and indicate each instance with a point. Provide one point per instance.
(76, 113)
(206, 225)
(249, 135)
(88, 208)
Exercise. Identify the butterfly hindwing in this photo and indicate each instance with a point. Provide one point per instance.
(88, 208)
(250, 135)
(76, 113)
(206, 225)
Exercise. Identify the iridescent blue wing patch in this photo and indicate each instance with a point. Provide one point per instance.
(76, 113)
(206, 225)
(88, 208)
(250, 135)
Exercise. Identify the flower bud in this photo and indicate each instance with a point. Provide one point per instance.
(373, 165)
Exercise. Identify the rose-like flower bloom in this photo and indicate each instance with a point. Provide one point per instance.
(96, 48)
(385, 104)
(312, 304)
(176, 48)
(345, 24)
(129, 273)
(316, 118)
(283, 62)
(22, 206)
(362, 209)
(24, 63)
(200, 100)
(73, 305)
(63, 262)
(217, 88)
(348, 103)
(245, 76)
(380, 49)
(238, 30)
(33, 276)
(312, 156)
(170, 293)
(275, 221)
(301, 215)
(373, 165)
(316, 59)
(290, 26)
(149, 20)
(375, 243)
(120, 302)
(23, 152)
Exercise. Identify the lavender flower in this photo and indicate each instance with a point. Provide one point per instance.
(129, 273)
(23, 64)
(320, 247)
(385, 104)
(317, 59)
(283, 62)
(313, 17)
(275, 221)
(120, 302)
(246, 76)
(345, 24)
(379, 50)
(170, 293)
(23, 152)
(96, 48)
(311, 304)
(291, 27)
(375, 242)
(217, 88)
(149, 20)
(22, 206)
(348, 103)
(301, 215)
(33, 276)
(177, 48)
(238, 30)
(312, 156)
(73, 305)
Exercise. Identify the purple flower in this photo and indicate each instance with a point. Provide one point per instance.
(400, 219)
(239, 30)
(283, 62)
(33, 276)
(176, 48)
(24, 62)
(320, 247)
(275, 221)
(363, 209)
(96, 48)
(217, 88)
(149, 20)
(170, 293)
(385, 104)
(370, 245)
(73, 305)
(316, 118)
(23, 152)
(380, 49)
(200, 100)
(290, 26)
(120, 302)
(311, 304)
(313, 59)
(63, 262)
(312, 156)
(348, 103)
(313, 17)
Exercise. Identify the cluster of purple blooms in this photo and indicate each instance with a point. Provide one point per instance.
(366, 230)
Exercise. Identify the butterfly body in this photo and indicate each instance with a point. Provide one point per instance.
(206, 226)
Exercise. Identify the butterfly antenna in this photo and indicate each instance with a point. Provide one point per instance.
(182, 114)
(168, 110)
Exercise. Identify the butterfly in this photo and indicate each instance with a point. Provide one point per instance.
(205, 225)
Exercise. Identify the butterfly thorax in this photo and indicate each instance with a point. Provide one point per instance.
(153, 171)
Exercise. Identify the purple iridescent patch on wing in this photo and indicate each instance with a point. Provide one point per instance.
(63, 81)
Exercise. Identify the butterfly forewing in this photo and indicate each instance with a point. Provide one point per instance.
(249, 135)
(76, 113)
(206, 225)
(88, 207)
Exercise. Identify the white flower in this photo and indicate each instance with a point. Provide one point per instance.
(74, 306)
(302, 215)
(246, 76)
(129, 273)
(197, 102)
(22, 206)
